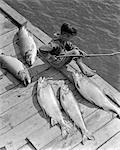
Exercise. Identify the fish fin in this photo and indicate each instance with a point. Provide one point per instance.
(30, 34)
(24, 24)
(111, 97)
(77, 86)
(3, 66)
(86, 136)
(114, 115)
(66, 128)
(53, 122)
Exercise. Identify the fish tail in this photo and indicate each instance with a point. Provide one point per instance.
(23, 25)
(65, 129)
(87, 136)
(118, 113)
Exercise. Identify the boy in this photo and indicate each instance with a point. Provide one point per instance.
(61, 44)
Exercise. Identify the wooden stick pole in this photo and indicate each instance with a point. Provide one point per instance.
(90, 55)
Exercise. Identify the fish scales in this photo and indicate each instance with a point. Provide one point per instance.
(72, 108)
(91, 92)
(49, 103)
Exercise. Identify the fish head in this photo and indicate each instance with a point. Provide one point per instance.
(77, 76)
(42, 82)
(25, 77)
(29, 58)
(64, 90)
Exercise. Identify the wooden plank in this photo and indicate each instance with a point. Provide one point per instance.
(102, 135)
(15, 145)
(3, 148)
(12, 49)
(11, 115)
(21, 131)
(93, 122)
(43, 136)
(6, 26)
(8, 81)
(5, 7)
(20, 94)
(25, 147)
(16, 115)
(7, 38)
(112, 143)
(103, 85)
(20, 20)
(40, 34)
(2, 17)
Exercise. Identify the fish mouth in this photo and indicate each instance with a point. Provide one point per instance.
(26, 81)
(42, 82)
(29, 62)
(76, 75)
(28, 58)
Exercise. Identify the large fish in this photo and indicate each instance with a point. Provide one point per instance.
(16, 67)
(91, 92)
(50, 105)
(27, 45)
(72, 108)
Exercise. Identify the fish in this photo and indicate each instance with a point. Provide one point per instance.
(91, 92)
(27, 45)
(50, 105)
(15, 67)
(71, 107)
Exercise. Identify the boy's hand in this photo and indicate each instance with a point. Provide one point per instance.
(81, 52)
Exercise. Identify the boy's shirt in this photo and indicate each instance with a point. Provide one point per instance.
(59, 46)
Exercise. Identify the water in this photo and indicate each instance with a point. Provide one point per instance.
(97, 21)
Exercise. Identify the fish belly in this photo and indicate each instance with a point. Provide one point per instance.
(49, 102)
(12, 64)
(72, 108)
(93, 94)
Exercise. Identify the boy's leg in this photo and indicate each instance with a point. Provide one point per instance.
(86, 71)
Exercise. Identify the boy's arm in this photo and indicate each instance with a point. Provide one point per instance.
(49, 47)
(75, 50)
(46, 48)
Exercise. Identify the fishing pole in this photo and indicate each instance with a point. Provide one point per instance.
(89, 55)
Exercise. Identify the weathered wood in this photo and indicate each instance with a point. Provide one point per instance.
(6, 8)
(112, 143)
(20, 94)
(16, 115)
(17, 135)
(18, 109)
(96, 79)
(102, 84)
(93, 122)
(25, 147)
(7, 38)
(12, 49)
(20, 20)
(102, 135)
(8, 81)
(3, 148)
(6, 26)
(43, 136)
(15, 145)
(2, 17)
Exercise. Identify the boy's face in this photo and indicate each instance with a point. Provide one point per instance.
(66, 36)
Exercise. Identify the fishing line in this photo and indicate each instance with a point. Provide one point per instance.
(90, 55)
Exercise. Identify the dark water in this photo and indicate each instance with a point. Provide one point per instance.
(97, 21)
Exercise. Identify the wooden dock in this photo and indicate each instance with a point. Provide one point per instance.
(22, 124)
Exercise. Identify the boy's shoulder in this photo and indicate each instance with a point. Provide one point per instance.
(56, 35)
